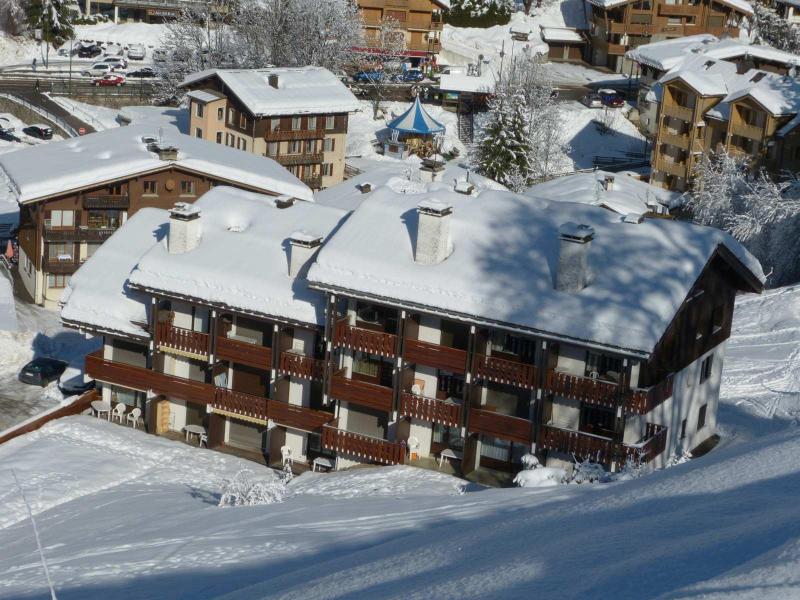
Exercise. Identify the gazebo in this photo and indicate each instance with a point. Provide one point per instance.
(413, 132)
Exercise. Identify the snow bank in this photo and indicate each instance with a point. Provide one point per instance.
(385, 481)
(540, 477)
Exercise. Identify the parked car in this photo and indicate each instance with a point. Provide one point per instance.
(113, 50)
(592, 101)
(143, 73)
(159, 55)
(411, 76)
(98, 69)
(6, 128)
(111, 79)
(367, 76)
(41, 371)
(117, 61)
(136, 52)
(611, 98)
(89, 52)
(43, 132)
(73, 382)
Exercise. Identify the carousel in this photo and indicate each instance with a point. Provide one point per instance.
(414, 132)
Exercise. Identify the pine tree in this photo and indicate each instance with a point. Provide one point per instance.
(53, 18)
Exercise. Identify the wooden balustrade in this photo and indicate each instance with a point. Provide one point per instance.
(240, 403)
(107, 202)
(366, 394)
(430, 409)
(365, 340)
(298, 417)
(78, 234)
(435, 355)
(183, 340)
(679, 9)
(500, 426)
(655, 442)
(363, 446)
(301, 366)
(585, 389)
(244, 353)
(62, 266)
(305, 158)
(500, 370)
(641, 401)
(684, 113)
(581, 445)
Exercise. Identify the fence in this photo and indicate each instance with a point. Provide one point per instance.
(58, 121)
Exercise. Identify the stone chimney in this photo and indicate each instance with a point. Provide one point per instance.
(273, 81)
(302, 247)
(184, 228)
(169, 153)
(608, 183)
(573, 264)
(433, 232)
(365, 187)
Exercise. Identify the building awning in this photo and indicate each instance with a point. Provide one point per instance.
(416, 120)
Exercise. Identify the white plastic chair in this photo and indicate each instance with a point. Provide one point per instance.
(286, 456)
(118, 412)
(413, 445)
(133, 416)
(203, 440)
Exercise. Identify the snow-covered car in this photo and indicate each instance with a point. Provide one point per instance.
(159, 55)
(39, 130)
(73, 382)
(97, 70)
(136, 52)
(592, 101)
(611, 98)
(143, 73)
(89, 52)
(112, 79)
(6, 128)
(117, 61)
(113, 50)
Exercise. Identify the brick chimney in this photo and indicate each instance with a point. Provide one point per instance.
(573, 264)
(184, 228)
(302, 247)
(433, 232)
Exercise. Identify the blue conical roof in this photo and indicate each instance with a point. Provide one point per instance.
(416, 120)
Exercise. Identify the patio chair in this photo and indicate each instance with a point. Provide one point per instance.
(286, 456)
(118, 412)
(203, 440)
(133, 417)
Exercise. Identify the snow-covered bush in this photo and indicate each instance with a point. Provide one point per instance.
(241, 490)
(540, 477)
(529, 461)
(587, 471)
(13, 16)
(479, 13)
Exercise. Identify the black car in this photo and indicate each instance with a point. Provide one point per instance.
(143, 72)
(89, 52)
(43, 132)
(42, 370)
(72, 384)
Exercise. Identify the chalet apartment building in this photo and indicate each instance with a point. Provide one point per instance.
(617, 26)
(421, 21)
(657, 59)
(92, 184)
(435, 331)
(296, 116)
(708, 106)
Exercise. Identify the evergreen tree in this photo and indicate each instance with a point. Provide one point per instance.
(52, 17)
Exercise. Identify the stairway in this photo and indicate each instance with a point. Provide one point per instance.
(466, 124)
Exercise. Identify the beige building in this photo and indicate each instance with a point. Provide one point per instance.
(298, 117)
(420, 20)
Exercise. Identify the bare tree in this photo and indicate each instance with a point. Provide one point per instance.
(384, 60)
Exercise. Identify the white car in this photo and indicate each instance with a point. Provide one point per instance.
(112, 50)
(136, 52)
(160, 55)
(592, 101)
(117, 61)
(98, 69)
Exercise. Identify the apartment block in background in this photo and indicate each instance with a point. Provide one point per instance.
(421, 21)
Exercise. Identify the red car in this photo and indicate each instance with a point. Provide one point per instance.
(611, 98)
(110, 79)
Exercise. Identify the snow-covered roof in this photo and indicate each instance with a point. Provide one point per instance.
(779, 95)
(560, 34)
(705, 84)
(44, 170)
(740, 5)
(503, 263)
(303, 90)
(97, 296)
(241, 260)
(627, 194)
(461, 82)
(205, 96)
(416, 120)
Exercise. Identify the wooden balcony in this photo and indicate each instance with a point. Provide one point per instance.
(106, 202)
(363, 446)
(298, 417)
(673, 168)
(500, 370)
(280, 135)
(306, 158)
(655, 441)
(642, 400)
(78, 234)
(143, 379)
(434, 355)
(244, 353)
(312, 181)
(584, 389)
(500, 426)
(430, 409)
(365, 340)
(239, 403)
(630, 28)
(674, 139)
(301, 366)
(679, 9)
(581, 445)
(752, 132)
(366, 394)
(182, 341)
(679, 112)
(616, 49)
(61, 267)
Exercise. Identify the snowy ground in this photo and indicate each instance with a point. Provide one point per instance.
(102, 117)
(125, 515)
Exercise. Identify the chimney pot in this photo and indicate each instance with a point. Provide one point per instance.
(608, 183)
(284, 201)
(302, 247)
(433, 232)
(573, 264)
(364, 188)
(274, 81)
(184, 228)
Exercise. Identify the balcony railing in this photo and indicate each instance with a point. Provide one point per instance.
(298, 417)
(585, 389)
(246, 405)
(679, 9)
(306, 158)
(655, 441)
(280, 135)
(673, 168)
(500, 426)
(617, 49)
(183, 340)
(366, 394)
(430, 409)
(434, 355)
(60, 267)
(106, 202)
(363, 446)
(78, 234)
(504, 371)
(301, 366)
(365, 340)
(582, 445)
(752, 132)
(642, 400)
(631, 28)
(674, 139)
(312, 181)
(679, 112)
(244, 353)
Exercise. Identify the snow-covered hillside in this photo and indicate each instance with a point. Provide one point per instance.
(125, 515)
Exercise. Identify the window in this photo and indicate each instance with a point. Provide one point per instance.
(244, 144)
(219, 137)
(238, 143)
(605, 367)
(295, 147)
(272, 149)
(104, 219)
(198, 133)
(150, 187)
(701, 417)
(61, 252)
(312, 122)
(683, 429)
(330, 122)
(57, 281)
(295, 123)
(330, 144)
(327, 169)
(309, 146)
(231, 116)
(115, 189)
(198, 110)
(220, 114)
(61, 218)
(242, 121)
(706, 367)
(187, 188)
